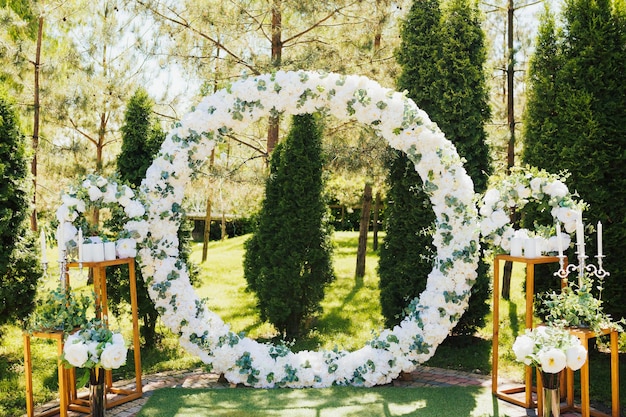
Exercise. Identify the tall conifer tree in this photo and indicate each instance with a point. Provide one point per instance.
(405, 256)
(20, 269)
(141, 139)
(288, 259)
(576, 121)
(442, 57)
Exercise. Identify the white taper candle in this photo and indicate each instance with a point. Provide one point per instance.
(44, 255)
(80, 245)
(559, 242)
(599, 238)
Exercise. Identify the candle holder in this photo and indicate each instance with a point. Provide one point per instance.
(63, 267)
(582, 267)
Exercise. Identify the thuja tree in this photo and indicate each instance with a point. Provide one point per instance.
(20, 268)
(576, 120)
(442, 57)
(142, 137)
(288, 259)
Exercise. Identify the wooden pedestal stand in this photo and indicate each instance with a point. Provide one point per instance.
(527, 388)
(69, 399)
(585, 335)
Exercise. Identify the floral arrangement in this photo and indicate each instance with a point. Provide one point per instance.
(576, 306)
(394, 117)
(97, 192)
(95, 346)
(550, 349)
(513, 192)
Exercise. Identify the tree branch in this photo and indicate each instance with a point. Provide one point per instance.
(179, 20)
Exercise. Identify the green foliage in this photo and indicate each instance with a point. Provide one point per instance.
(142, 137)
(288, 259)
(576, 306)
(575, 120)
(407, 250)
(442, 57)
(60, 309)
(20, 269)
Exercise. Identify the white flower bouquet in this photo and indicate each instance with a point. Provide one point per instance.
(95, 346)
(550, 349)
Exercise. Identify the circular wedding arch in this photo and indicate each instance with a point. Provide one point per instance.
(393, 117)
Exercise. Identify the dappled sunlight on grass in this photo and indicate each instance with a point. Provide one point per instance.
(335, 402)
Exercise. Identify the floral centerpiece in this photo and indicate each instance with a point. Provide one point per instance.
(96, 193)
(95, 348)
(512, 193)
(550, 349)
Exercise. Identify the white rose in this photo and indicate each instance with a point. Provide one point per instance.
(576, 357)
(113, 356)
(556, 189)
(76, 353)
(134, 209)
(126, 248)
(552, 360)
(94, 193)
(500, 218)
(523, 348)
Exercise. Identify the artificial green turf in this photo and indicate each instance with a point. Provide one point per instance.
(324, 402)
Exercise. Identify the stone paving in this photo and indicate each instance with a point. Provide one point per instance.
(421, 377)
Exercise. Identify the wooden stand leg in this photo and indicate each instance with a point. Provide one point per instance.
(614, 374)
(496, 326)
(28, 369)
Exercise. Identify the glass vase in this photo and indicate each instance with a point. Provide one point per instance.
(551, 395)
(97, 392)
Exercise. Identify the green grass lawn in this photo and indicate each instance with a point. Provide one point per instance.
(330, 402)
(351, 313)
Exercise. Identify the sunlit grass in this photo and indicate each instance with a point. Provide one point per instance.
(348, 316)
(335, 401)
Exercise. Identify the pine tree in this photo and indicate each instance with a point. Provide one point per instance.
(142, 137)
(577, 122)
(407, 249)
(20, 268)
(288, 259)
(463, 110)
(442, 57)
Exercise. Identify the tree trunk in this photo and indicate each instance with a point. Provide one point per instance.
(207, 229)
(277, 54)
(363, 228)
(510, 72)
(375, 221)
(35, 142)
(207, 216)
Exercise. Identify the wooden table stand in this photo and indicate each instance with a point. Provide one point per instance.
(584, 335)
(527, 388)
(68, 393)
(63, 375)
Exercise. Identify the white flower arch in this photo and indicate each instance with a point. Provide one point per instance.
(392, 116)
